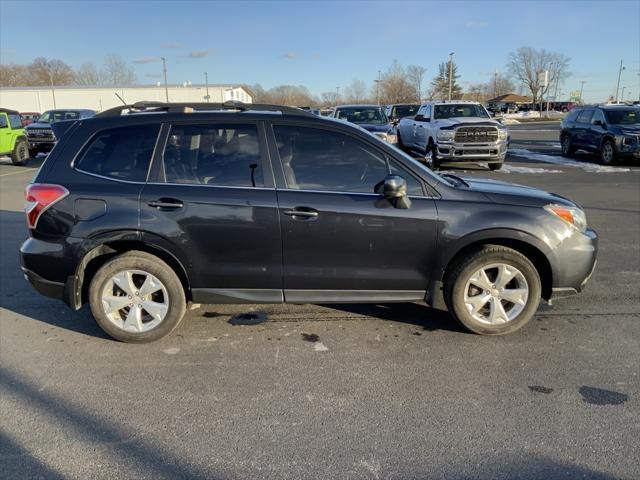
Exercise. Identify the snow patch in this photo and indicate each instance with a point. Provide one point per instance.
(518, 169)
(556, 160)
(320, 347)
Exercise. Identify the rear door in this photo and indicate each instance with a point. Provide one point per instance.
(340, 238)
(423, 129)
(212, 204)
(582, 126)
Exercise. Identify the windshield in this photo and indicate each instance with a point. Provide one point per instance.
(460, 110)
(405, 110)
(362, 115)
(57, 116)
(623, 117)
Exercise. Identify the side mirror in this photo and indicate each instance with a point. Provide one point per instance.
(395, 121)
(394, 189)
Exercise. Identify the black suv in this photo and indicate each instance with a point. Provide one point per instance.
(612, 131)
(147, 207)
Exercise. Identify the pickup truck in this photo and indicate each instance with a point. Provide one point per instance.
(460, 132)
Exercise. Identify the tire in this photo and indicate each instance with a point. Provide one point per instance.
(460, 289)
(400, 144)
(33, 153)
(168, 297)
(567, 148)
(607, 153)
(432, 161)
(495, 166)
(20, 154)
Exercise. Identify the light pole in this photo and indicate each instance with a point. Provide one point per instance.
(206, 86)
(337, 95)
(622, 95)
(378, 87)
(450, 73)
(619, 76)
(53, 91)
(582, 82)
(164, 71)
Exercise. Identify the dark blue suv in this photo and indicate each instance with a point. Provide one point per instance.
(613, 131)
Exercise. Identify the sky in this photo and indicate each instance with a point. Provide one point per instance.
(326, 44)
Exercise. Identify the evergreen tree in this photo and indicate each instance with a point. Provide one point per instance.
(440, 83)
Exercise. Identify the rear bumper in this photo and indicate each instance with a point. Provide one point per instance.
(469, 152)
(43, 286)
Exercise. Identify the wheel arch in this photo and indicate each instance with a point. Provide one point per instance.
(99, 255)
(528, 246)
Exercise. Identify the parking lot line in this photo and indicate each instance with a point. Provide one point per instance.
(16, 173)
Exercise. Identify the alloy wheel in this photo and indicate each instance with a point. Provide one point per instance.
(496, 294)
(135, 301)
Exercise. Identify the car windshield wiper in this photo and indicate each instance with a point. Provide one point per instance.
(455, 177)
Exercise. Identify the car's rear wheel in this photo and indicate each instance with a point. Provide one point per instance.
(607, 153)
(567, 146)
(493, 291)
(20, 154)
(137, 298)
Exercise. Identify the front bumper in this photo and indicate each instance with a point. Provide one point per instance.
(471, 152)
(573, 263)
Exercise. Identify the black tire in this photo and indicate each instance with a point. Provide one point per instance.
(567, 146)
(142, 261)
(20, 154)
(432, 161)
(608, 153)
(33, 152)
(496, 166)
(400, 144)
(461, 272)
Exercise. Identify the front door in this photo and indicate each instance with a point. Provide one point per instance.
(212, 206)
(340, 239)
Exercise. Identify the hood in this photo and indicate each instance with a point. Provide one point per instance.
(375, 128)
(513, 194)
(37, 125)
(455, 121)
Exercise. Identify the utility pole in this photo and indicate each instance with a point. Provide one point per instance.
(378, 87)
(164, 71)
(450, 73)
(619, 76)
(622, 96)
(582, 82)
(206, 86)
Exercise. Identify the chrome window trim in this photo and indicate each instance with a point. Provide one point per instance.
(239, 187)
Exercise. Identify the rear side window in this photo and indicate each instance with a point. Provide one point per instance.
(585, 116)
(213, 154)
(121, 153)
(572, 115)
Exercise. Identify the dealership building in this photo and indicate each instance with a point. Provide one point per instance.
(40, 99)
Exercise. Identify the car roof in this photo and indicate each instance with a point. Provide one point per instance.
(7, 110)
(358, 105)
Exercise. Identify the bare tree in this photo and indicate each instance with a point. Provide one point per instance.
(394, 85)
(88, 74)
(527, 65)
(356, 92)
(330, 98)
(50, 72)
(415, 76)
(116, 72)
(14, 75)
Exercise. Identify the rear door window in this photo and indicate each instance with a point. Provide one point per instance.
(213, 154)
(585, 116)
(121, 153)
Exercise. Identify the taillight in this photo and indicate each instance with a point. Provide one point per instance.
(39, 197)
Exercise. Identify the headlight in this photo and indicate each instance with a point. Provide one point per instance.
(572, 215)
(392, 138)
(503, 134)
(445, 135)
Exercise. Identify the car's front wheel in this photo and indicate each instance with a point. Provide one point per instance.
(607, 152)
(20, 154)
(137, 298)
(493, 291)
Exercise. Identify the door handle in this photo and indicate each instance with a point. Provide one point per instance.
(167, 203)
(303, 212)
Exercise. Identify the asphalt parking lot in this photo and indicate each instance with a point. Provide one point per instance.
(351, 391)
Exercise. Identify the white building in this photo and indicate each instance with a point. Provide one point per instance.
(40, 99)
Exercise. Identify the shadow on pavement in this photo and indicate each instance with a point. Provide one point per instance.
(124, 443)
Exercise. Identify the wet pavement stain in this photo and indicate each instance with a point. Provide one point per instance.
(310, 337)
(248, 318)
(540, 389)
(600, 396)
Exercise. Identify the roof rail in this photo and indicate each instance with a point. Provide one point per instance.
(146, 107)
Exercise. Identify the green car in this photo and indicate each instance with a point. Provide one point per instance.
(13, 141)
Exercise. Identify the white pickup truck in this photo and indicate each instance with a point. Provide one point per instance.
(461, 132)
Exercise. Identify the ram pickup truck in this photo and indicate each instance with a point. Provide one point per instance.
(460, 132)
